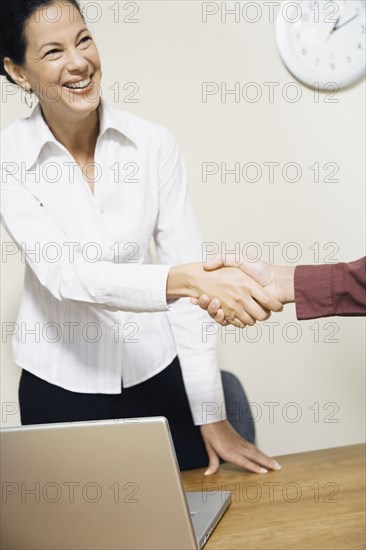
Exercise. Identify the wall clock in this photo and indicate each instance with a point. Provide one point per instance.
(322, 42)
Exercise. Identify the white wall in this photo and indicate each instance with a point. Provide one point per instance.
(168, 53)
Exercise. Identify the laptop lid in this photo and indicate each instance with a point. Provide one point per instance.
(93, 485)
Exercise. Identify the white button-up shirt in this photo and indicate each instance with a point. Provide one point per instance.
(94, 309)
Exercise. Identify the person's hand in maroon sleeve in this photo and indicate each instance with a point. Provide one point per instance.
(317, 290)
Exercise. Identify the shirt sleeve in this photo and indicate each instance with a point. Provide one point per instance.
(178, 241)
(327, 290)
(137, 288)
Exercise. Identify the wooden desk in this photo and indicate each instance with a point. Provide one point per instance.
(316, 501)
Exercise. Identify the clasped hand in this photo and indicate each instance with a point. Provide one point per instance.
(239, 293)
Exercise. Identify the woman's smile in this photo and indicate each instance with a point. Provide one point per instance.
(79, 84)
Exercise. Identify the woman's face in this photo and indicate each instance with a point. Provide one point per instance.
(60, 52)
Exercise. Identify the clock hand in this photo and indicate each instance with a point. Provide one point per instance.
(345, 23)
(334, 28)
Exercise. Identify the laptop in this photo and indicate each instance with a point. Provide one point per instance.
(100, 485)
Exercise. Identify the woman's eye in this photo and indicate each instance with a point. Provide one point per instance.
(85, 38)
(52, 51)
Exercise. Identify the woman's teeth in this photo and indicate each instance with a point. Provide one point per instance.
(81, 84)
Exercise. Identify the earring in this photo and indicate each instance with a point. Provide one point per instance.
(28, 98)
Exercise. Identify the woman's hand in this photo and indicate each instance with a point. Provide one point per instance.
(276, 280)
(222, 441)
(239, 295)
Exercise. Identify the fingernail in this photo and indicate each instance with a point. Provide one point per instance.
(206, 473)
(276, 465)
(263, 471)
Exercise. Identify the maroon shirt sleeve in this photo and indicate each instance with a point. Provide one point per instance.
(334, 289)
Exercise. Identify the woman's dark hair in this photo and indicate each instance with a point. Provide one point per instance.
(14, 15)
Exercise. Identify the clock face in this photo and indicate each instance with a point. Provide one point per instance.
(322, 42)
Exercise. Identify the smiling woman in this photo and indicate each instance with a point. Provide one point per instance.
(114, 338)
(63, 72)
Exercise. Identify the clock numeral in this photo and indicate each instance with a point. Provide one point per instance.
(317, 62)
(359, 46)
(332, 66)
(303, 51)
(349, 59)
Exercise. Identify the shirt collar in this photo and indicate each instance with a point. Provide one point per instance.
(39, 133)
(116, 120)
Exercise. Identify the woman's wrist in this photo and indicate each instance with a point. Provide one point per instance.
(183, 281)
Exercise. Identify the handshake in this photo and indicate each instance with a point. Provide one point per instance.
(241, 293)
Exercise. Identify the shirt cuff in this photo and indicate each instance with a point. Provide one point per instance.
(203, 384)
(139, 288)
(313, 291)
